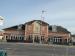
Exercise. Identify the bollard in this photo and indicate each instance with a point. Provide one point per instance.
(3, 53)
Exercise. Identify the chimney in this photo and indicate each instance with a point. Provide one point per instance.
(54, 28)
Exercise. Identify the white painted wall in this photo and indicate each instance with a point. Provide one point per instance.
(1, 37)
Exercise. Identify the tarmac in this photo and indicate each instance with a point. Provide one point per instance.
(30, 49)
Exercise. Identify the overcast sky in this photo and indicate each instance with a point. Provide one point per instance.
(58, 12)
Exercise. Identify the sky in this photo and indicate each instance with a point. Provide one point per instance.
(57, 12)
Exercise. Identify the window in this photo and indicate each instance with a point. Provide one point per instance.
(22, 38)
(7, 37)
(50, 28)
(43, 28)
(19, 27)
(29, 27)
(11, 38)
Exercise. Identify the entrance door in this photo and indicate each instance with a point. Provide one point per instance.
(36, 39)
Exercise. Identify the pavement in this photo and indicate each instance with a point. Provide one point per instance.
(29, 49)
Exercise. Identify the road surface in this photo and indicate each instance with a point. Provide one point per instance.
(21, 49)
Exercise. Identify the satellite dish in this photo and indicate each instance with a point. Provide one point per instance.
(1, 20)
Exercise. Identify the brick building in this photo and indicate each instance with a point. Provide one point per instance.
(37, 31)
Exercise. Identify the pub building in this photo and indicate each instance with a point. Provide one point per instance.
(37, 31)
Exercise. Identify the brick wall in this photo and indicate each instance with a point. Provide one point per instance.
(64, 35)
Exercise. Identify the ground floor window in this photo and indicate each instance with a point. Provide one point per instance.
(15, 38)
(55, 39)
(7, 38)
